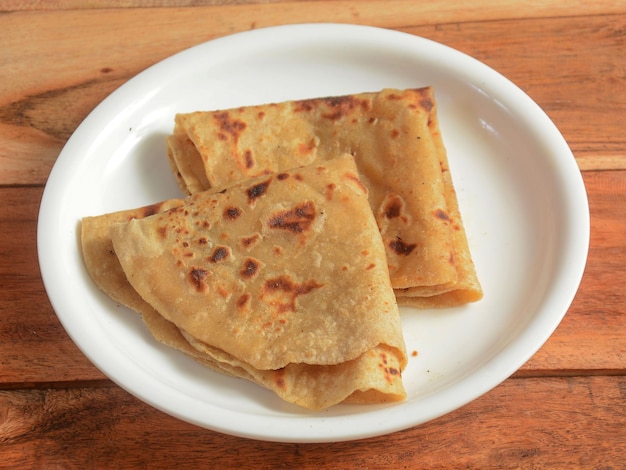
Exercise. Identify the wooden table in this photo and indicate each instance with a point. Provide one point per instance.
(565, 408)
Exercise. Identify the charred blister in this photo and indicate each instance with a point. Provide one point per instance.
(427, 104)
(296, 220)
(332, 108)
(162, 231)
(152, 209)
(228, 126)
(279, 379)
(282, 292)
(250, 268)
(442, 215)
(248, 159)
(258, 190)
(220, 253)
(197, 278)
(232, 213)
(393, 208)
(390, 373)
(243, 302)
(341, 106)
(402, 248)
(330, 190)
(423, 99)
(248, 242)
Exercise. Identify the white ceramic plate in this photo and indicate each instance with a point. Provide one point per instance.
(520, 192)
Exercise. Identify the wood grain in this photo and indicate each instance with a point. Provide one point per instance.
(594, 329)
(439, 9)
(565, 408)
(34, 346)
(107, 428)
(38, 116)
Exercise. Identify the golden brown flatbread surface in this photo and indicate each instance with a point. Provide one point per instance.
(306, 224)
(395, 139)
(263, 280)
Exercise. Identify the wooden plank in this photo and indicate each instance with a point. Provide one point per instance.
(24, 5)
(576, 79)
(459, 8)
(35, 348)
(570, 422)
(591, 336)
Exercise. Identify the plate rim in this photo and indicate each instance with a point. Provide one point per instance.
(498, 83)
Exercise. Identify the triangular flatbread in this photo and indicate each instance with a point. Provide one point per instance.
(395, 139)
(264, 280)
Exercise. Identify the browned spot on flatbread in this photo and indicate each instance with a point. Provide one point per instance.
(249, 242)
(402, 248)
(441, 214)
(282, 292)
(243, 302)
(228, 126)
(393, 208)
(152, 209)
(427, 104)
(258, 190)
(197, 277)
(330, 189)
(231, 213)
(279, 379)
(220, 253)
(296, 220)
(390, 373)
(250, 268)
(248, 159)
(424, 98)
(337, 107)
(306, 147)
(223, 292)
(162, 231)
(341, 106)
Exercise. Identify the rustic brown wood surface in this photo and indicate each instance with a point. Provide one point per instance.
(565, 408)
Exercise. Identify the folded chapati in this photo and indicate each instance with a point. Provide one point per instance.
(99, 256)
(264, 280)
(395, 139)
